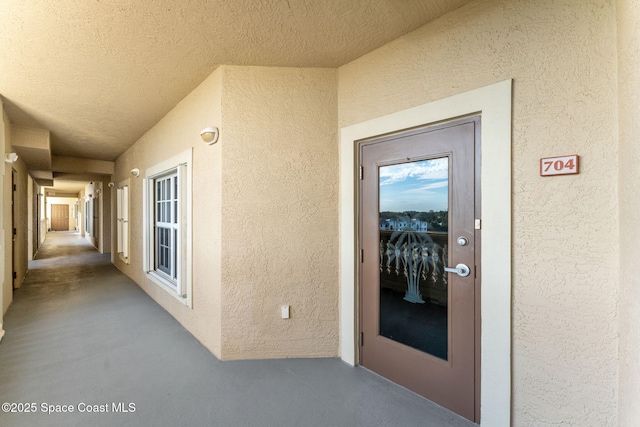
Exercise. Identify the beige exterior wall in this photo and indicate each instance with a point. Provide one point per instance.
(105, 217)
(265, 196)
(32, 142)
(77, 165)
(178, 131)
(23, 139)
(42, 221)
(6, 294)
(265, 202)
(268, 236)
(279, 212)
(100, 193)
(629, 181)
(81, 213)
(29, 218)
(30, 212)
(70, 201)
(562, 57)
(20, 209)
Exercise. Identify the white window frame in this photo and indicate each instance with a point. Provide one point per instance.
(168, 222)
(122, 213)
(180, 286)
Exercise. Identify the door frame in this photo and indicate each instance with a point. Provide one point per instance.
(493, 104)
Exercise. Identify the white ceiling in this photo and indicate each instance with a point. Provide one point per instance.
(99, 73)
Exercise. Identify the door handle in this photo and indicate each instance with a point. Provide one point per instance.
(461, 270)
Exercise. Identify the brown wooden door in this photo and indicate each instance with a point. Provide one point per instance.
(418, 204)
(60, 217)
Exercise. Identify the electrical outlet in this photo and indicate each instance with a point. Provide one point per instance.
(285, 311)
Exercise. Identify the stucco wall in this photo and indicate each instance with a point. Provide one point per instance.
(105, 217)
(264, 211)
(22, 137)
(81, 212)
(69, 201)
(178, 131)
(562, 57)
(42, 220)
(7, 285)
(279, 215)
(629, 176)
(20, 207)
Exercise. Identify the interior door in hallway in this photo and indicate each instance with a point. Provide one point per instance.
(419, 262)
(60, 217)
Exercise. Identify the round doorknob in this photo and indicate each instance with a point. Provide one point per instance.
(463, 241)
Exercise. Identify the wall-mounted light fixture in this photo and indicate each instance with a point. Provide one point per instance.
(210, 135)
(10, 157)
(111, 184)
(135, 172)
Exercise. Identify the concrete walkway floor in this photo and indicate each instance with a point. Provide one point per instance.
(82, 337)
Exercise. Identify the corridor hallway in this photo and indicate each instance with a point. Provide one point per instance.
(82, 334)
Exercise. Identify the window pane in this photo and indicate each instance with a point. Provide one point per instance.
(413, 253)
(175, 254)
(175, 212)
(163, 250)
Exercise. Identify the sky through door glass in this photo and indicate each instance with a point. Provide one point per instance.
(418, 186)
(414, 221)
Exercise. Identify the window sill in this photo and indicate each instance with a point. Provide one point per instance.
(168, 288)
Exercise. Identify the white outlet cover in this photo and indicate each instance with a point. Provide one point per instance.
(285, 311)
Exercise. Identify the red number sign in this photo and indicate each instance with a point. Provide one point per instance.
(564, 165)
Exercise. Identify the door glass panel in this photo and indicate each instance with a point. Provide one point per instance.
(414, 222)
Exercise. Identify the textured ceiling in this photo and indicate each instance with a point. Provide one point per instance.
(99, 73)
